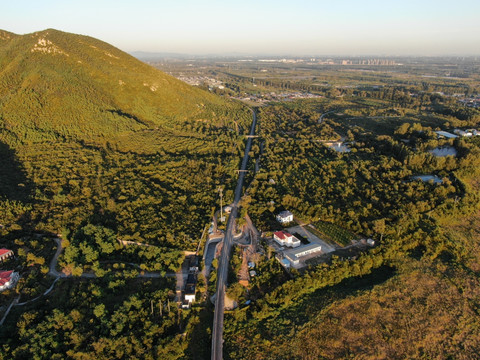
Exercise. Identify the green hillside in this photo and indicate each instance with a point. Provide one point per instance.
(56, 85)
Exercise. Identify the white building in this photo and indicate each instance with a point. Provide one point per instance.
(295, 255)
(284, 238)
(446, 134)
(285, 217)
(190, 293)
(8, 279)
(464, 133)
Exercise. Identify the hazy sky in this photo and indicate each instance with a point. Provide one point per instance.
(297, 27)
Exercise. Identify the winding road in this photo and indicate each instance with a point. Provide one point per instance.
(217, 334)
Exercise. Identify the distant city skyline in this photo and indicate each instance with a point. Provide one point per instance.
(300, 28)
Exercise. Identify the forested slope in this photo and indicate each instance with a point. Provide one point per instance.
(91, 135)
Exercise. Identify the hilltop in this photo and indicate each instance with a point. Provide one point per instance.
(56, 86)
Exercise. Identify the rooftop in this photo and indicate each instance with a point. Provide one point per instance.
(427, 178)
(190, 290)
(282, 235)
(297, 252)
(446, 134)
(4, 251)
(285, 213)
(191, 279)
(5, 277)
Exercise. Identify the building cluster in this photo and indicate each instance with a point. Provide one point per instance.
(458, 133)
(467, 133)
(8, 278)
(272, 96)
(471, 102)
(284, 61)
(201, 80)
(291, 252)
(381, 62)
(324, 61)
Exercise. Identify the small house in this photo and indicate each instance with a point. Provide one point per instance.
(284, 217)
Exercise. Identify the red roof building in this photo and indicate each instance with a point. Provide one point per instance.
(8, 279)
(282, 235)
(5, 254)
(284, 238)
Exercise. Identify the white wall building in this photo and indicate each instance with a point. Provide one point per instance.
(464, 133)
(446, 134)
(284, 238)
(295, 255)
(285, 217)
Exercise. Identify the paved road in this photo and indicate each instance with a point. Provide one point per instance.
(217, 335)
(323, 115)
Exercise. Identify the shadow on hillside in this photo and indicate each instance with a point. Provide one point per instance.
(301, 311)
(14, 183)
(127, 116)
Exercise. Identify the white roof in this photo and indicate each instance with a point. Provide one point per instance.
(446, 134)
(313, 247)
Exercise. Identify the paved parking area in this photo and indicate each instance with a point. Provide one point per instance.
(326, 248)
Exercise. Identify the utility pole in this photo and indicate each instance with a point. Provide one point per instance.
(220, 190)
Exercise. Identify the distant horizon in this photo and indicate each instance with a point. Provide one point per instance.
(268, 28)
(299, 56)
